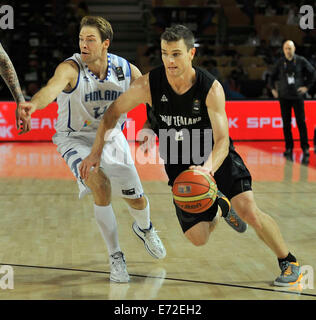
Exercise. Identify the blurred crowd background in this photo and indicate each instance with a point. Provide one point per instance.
(238, 41)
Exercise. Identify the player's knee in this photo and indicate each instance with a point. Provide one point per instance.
(198, 242)
(98, 182)
(197, 238)
(139, 203)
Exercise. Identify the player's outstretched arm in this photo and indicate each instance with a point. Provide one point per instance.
(65, 75)
(139, 92)
(10, 77)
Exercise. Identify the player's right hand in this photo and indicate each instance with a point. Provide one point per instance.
(22, 125)
(23, 114)
(92, 160)
(206, 170)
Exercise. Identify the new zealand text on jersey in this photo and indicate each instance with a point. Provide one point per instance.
(109, 95)
(179, 120)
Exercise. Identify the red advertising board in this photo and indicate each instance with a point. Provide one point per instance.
(42, 123)
(248, 120)
(261, 120)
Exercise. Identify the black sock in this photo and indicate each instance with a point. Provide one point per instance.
(225, 207)
(289, 258)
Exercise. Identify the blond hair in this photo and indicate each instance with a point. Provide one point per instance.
(104, 27)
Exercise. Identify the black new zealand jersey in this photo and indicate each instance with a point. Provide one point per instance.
(181, 121)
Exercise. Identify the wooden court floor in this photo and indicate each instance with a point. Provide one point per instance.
(51, 241)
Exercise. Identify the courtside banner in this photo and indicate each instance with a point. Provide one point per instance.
(261, 120)
(248, 120)
(42, 123)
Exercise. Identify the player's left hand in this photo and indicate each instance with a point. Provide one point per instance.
(92, 160)
(205, 170)
(302, 90)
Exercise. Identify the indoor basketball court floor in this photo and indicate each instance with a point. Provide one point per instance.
(51, 241)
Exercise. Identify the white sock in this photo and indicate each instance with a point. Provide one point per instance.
(142, 217)
(106, 221)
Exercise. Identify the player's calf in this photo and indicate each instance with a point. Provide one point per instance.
(199, 234)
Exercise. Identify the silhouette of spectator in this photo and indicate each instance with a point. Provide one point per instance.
(232, 86)
(211, 67)
(293, 16)
(276, 38)
(264, 51)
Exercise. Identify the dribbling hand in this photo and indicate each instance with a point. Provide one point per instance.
(205, 170)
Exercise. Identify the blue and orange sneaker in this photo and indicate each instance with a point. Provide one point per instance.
(232, 218)
(290, 274)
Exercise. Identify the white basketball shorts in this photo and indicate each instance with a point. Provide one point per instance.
(116, 163)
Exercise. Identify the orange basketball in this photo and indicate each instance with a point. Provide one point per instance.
(194, 191)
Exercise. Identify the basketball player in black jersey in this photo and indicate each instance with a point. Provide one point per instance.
(185, 98)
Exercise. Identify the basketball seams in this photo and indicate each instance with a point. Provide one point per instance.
(207, 177)
(204, 206)
(199, 202)
(212, 187)
(199, 184)
(191, 183)
(192, 198)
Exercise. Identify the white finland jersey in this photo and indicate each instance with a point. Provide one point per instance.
(80, 110)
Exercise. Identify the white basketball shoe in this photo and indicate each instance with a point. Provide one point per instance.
(118, 268)
(151, 241)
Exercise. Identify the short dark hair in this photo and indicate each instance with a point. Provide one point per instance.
(103, 26)
(177, 33)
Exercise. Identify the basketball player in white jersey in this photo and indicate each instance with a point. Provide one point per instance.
(85, 85)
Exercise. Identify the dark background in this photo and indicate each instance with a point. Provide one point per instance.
(237, 40)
